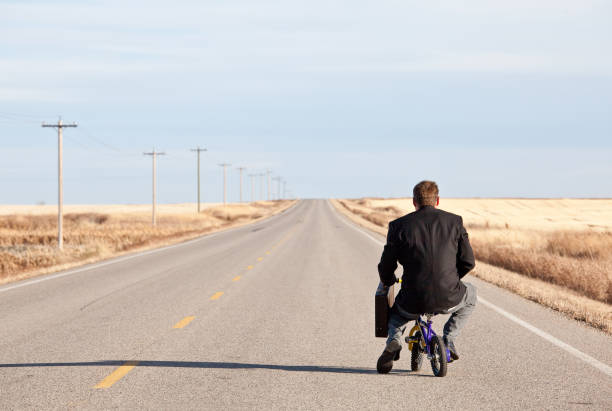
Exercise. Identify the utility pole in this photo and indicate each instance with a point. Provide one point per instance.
(278, 193)
(268, 172)
(241, 170)
(284, 189)
(60, 180)
(261, 187)
(252, 186)
(198, 150)
(224, 165)
(154, 155)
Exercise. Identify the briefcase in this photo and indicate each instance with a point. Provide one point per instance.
(383, 301)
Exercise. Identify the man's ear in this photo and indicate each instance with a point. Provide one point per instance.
(438, 201)
(415, 204)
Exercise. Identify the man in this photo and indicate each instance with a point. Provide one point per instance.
(433, 247)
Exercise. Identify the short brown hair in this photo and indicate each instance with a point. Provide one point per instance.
(425, 193)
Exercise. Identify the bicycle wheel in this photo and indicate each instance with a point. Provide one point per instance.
(416, 356)
(438, 356)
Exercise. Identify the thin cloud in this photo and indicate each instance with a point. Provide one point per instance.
(34, 95)
(484, 62)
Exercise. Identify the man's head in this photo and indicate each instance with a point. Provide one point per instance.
(425, 194)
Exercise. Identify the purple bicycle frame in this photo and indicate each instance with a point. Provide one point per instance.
(428, 334)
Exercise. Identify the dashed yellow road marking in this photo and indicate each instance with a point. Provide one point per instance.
(130, 365)
(116, 375)
(184, 322)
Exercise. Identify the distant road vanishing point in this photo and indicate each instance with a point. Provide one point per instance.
(274, 315)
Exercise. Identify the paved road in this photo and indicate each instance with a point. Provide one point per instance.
(277, 315)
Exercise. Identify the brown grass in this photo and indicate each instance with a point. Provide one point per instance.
(28, 242)
(557, 258)
(585, 245)
(578, 307)
(578, 259)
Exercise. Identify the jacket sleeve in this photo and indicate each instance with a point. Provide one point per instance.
(388, 260)
(465, 255)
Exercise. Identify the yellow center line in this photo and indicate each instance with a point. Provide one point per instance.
(217, 295)
(250, 267)
(237, 278)
(282, 240)
(184, 322)
(259, 258)
(116, 375)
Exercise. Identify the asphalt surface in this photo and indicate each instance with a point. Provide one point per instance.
(292, 329)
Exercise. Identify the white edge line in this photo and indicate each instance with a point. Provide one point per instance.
(142, 253)
(575, 352)
(349, 223)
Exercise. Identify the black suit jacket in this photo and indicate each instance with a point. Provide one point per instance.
(433, 247)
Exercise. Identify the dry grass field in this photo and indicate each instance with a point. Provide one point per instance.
(563, 242)
(518, 213)
(28, 234)
(141, 210)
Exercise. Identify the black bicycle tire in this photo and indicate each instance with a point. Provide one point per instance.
(416, 355)
(438, 351)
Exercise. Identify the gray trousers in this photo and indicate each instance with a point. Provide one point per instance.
(459, 316)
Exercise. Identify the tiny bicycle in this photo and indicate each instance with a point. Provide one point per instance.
(423, 340)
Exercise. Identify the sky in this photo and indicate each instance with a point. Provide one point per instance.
(339, 98)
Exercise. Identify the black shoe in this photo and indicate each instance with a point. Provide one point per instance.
(451, 347)
(390, 354)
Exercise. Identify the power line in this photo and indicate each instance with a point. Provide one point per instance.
(100, 142)
(79, 143)
(7, 118)
(32, 116)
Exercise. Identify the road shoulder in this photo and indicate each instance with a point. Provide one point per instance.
(153, 246)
